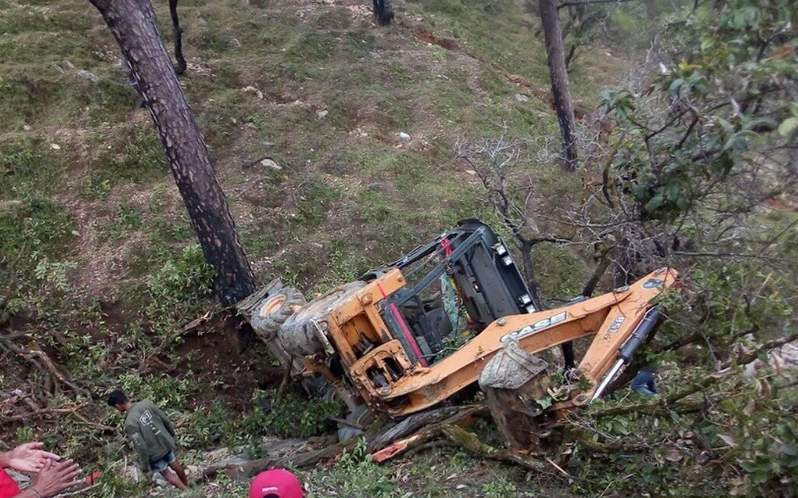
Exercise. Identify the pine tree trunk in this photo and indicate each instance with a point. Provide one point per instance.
(132, 23)
(559, 79)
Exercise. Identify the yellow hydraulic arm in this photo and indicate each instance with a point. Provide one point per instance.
(618, 319)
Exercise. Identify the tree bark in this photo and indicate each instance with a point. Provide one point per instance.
(133, 25)
(559, 80)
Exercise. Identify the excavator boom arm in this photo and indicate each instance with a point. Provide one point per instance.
(612, 318)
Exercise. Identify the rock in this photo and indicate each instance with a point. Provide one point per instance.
(86, 75)
(55, 146)
(322, 113)
(404, 137)
(26, 127)
(216, 455)
(521, 98)
(269, 163)
(252, 89)
(132, 473)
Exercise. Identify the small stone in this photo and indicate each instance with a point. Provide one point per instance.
(55, 146)
(404, 137)
(252, 89)
(521, 98)
(86, 75)
(75, 233)
(322, 113)
(26, 127)
(132, 473)
(269, 163)
(461, 486)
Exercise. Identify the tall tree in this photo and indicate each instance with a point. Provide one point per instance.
(559, 79)
(133, 25)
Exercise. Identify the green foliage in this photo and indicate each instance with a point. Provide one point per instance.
(26, 168)
(763, 439)
(133, 156)
(726, 92)
(178, 288)
(498, 488)
(168, 392)
(355, 475)
(290, 416)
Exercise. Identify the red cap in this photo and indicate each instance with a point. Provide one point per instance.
(278, 482)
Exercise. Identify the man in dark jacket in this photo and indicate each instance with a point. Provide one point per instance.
(153, 437)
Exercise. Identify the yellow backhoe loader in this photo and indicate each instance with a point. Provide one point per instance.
(453, 314)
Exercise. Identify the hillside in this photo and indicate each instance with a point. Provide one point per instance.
(333, 139)
(99, 257)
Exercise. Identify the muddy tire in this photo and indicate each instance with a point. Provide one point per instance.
(299, 334)
(360, 416)
(274, 309)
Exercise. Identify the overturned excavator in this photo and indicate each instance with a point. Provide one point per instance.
(450, 315)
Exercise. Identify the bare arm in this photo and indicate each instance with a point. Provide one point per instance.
(53, 478)
(28, 457)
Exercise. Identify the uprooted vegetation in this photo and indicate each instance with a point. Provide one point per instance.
(302, 104)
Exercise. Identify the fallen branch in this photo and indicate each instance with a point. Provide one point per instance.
(664, 402)
(39, 413)
(426, 434)
(41, 361)
(470, 442)
(614, 447)
(248, 468)
(413, 423)
(96, 425)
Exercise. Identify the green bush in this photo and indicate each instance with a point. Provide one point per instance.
(178, 288)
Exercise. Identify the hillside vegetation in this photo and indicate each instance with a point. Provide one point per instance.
(334, 141)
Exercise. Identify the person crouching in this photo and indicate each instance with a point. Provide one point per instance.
(153, 437)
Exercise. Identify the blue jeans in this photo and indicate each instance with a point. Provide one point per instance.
(160, 465)
(644, 383)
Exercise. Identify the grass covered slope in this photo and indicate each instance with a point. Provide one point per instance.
(315, 86)
(333, 140)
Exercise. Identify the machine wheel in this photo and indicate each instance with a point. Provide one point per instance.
(275, 308)
(298, 332)
(360, 416)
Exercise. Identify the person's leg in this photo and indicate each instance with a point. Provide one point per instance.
(173, 479)
(175, 465)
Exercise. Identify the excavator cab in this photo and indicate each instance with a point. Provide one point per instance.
(456, 286)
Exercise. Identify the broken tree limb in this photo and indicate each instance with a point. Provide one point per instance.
(584, 439)
(413, 423)
(45, 411)
(41, 361)
(427, 433)
(664, 402)
(244, 469)
(96, 425)
(471, 443)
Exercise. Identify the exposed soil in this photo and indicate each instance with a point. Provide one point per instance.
(229, 358)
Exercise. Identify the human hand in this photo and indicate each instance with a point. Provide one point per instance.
(56, 477)
(29, 457)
